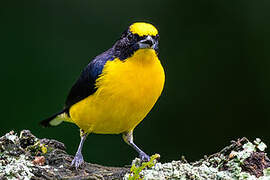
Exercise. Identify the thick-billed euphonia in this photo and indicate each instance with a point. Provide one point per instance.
(117, 89)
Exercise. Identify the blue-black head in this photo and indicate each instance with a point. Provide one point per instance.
(139, 35)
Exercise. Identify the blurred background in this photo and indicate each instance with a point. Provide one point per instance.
(215, 54)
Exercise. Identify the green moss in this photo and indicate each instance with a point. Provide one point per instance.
(135, 170)
(37, 148)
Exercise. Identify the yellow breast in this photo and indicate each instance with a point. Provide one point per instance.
(127, 91)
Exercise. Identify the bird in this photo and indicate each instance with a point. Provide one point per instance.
(116, 90)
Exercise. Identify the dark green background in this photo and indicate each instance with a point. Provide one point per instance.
(215, 54)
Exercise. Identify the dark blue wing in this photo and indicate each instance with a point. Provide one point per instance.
(85, 85)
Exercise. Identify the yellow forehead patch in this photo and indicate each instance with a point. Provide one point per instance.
(143, 29)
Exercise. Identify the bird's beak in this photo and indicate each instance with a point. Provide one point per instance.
(147, 42)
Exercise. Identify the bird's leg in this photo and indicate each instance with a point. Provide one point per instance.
(78, 159)
(128, 138)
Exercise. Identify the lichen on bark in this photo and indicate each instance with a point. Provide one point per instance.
(240, 160)
(25, 156)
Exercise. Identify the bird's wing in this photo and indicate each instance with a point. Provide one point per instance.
(85, 85)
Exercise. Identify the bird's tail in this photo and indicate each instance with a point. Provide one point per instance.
(55, 119)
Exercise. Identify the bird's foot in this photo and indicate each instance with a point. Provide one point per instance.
(78, 160)
(144, 157)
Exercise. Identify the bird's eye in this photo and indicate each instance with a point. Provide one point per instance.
(130, 36)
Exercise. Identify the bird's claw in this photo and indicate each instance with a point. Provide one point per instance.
(144, 157)
(77, 161)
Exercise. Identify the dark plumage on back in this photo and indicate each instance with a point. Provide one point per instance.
(85, 85)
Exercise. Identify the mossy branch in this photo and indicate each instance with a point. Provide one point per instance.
(27, 157)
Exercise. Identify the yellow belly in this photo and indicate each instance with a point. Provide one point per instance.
(126, 93)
